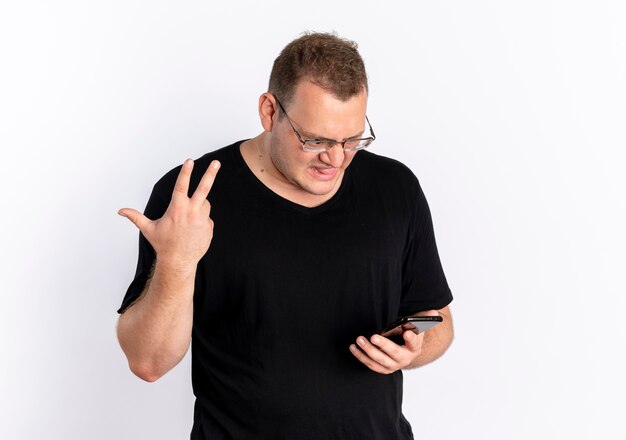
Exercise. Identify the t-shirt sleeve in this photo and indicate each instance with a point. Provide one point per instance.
(155, 209)
(424, 284)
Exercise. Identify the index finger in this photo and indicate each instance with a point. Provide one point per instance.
(182, 181)
(206, 183)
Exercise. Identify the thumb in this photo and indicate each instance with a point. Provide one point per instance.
(412, 341)
(141, 221)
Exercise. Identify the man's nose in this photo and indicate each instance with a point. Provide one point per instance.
(333, 156)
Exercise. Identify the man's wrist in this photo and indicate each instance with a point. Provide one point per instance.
(175, 268)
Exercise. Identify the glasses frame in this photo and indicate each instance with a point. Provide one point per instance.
(329, 142)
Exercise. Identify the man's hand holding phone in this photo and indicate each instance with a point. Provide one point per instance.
(383, 355)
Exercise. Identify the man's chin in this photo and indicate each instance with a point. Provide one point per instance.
(318, 188)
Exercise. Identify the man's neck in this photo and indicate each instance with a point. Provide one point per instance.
(255, 155)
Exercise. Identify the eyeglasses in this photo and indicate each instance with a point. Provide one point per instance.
(321, 145)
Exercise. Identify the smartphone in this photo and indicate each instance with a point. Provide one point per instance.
(418, 324)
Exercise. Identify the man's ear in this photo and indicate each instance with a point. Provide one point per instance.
(267, 110)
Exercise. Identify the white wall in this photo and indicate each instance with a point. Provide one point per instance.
(511, 113)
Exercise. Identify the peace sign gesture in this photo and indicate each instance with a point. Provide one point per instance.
(184, 233)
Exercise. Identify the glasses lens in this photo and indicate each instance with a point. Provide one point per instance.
(319, 146)
(357, 144)
(352, 144)
(315, 145)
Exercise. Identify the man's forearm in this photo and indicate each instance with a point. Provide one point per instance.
(155, 331)
(436, 340)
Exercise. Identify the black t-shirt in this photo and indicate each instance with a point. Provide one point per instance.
(284, 290)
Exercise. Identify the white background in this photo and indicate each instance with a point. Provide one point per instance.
(511, 113)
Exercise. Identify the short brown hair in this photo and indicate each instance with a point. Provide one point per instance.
(325, 59)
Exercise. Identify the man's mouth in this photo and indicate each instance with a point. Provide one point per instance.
(323, 173)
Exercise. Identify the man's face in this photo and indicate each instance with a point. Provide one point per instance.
(316, 114)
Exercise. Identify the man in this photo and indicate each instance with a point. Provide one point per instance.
(281, 268)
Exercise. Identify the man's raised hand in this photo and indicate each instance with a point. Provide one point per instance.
(184, 233)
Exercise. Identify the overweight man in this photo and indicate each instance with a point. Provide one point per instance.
(279, 258)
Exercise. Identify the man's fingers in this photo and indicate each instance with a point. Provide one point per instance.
(367, 361)
(387, 346)
(375, 353)
(141, 221)
(181, 188)
(206, 183)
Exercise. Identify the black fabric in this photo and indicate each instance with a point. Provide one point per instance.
(284, 290)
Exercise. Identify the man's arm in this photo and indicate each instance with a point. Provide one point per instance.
(154, 332)
(382, 355)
